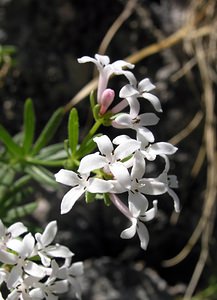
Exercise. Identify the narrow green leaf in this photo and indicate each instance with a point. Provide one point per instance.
(16, 187)
(7, 139)
(48, 131)
(20, 212)
(73, 130)
(42, 175)
(50, 150)
(29, 125)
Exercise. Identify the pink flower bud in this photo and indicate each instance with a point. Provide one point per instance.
(106, 100)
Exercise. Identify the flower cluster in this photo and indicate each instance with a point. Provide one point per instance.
(119, 166)
(29, 264)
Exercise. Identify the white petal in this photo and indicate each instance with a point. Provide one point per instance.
(121, 174)
(85, 59)
(127, 91)
(17, 229)
(59, 251)
(143, 235)
(138, 168)
(76, 269)
(35, 270)
(148, 119)
(14, 295)
(145, 85)
(121, 139)
(102, 59)
(175, 199)
(124, 120)
(152, 186)
(129, 232)
(150, 214)
(7, 257)
(137, 203)
(91, 162)
(144, 133)
(153, 100)
(97, 185)
(60, 287)
(67, 177)
(14, 276)
(70, 198)
(15, 245)
(104, 144)
(134, 106)
(49, 233)
(28, 244)
(163, 148)
(120, 64)
(117, 188)
(126, 149)
(46, 261)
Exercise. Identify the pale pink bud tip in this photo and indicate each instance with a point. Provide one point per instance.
(107, 98)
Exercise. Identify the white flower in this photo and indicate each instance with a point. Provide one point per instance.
(137, 219)
(138, 124)
(151, 151)
(141, 91)
(20, 261)
(45, 250)
(21, 290)
(71, 273)
(80, 184)
(137, 186)
(106, 69)
(10, 233)
(138, 225)
(110, 158)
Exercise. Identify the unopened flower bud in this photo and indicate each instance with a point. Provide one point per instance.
(106, 100)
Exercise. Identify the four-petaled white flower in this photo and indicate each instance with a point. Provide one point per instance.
(110, 158)
(47, 251)
(137, 123)
(142, 90)
(138, 220)
(80, 183)
(106, 69)
(21, 260)
(10, 233)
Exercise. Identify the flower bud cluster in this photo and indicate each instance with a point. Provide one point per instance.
(120, 166)
(29, 264)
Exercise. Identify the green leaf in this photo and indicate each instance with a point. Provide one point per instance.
(15, 188)
(42, 175)
(50, 151)
(73, 130)
(17, 213)
(29, 125)
(7, 175)
(7, 139)
(48, 131)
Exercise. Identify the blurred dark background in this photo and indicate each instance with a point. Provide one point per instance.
(49, 36)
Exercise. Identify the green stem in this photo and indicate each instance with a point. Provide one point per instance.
(92, 131)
